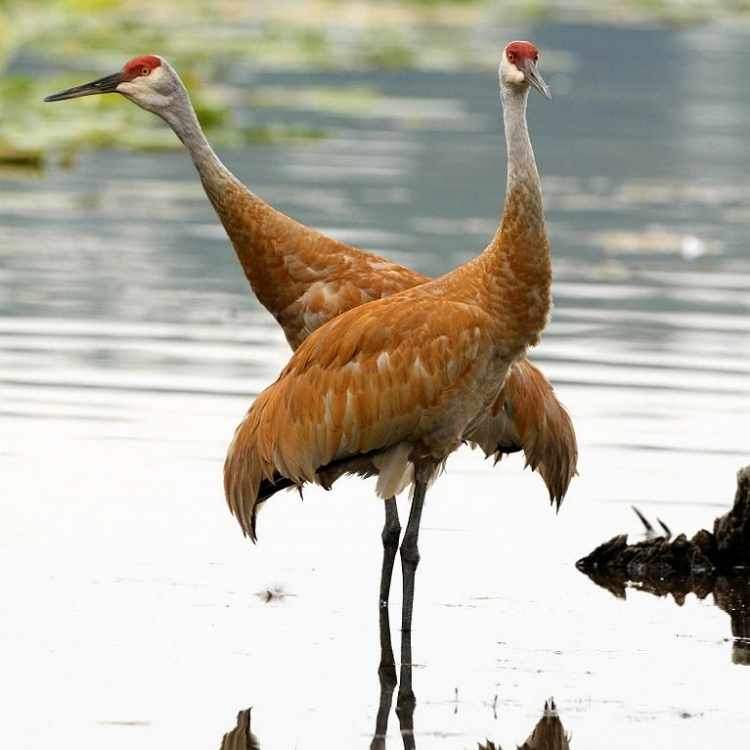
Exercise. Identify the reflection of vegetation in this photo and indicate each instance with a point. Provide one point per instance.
(94, 37)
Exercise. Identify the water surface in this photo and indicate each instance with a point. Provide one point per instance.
(132, 347)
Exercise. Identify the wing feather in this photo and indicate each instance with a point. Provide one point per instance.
(337, 397)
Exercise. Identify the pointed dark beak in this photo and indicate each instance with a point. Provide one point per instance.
(105, 85)
(535, 79)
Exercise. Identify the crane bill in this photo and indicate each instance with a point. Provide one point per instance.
(106, 85)
(534, 78)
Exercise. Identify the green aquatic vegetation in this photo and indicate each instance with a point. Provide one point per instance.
(212, 115)
(388, 48)
(438, 3)
(200, 39)
(274, 134)
(13, 157)
(354, 100)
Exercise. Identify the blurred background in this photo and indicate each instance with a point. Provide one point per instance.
(131, 347)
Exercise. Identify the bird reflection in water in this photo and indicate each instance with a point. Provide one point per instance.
(241, 738)
(548, 734)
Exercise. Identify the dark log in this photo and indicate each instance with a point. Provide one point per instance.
(706, 554)
(732, 531)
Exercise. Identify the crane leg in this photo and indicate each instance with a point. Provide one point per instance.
(387, 669)
(410, 554)
(390, 536)
(406, 701)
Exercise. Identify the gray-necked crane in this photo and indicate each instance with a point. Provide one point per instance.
(392, 387)
(306, 279)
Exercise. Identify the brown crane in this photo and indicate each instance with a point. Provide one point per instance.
(391, 388)
(305, 278)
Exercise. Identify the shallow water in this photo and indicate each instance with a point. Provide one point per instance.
(134, 613)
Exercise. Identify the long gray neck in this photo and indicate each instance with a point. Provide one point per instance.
(522, 171)
(516, 264)
(181, 117)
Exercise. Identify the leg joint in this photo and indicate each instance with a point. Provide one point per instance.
(409, 552)
(390, 535)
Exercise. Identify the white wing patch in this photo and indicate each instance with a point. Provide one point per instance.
(395, 471)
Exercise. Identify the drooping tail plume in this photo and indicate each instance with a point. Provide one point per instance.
(527, 416)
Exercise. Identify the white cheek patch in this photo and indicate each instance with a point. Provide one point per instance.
(516, 75)
(156, 74)
(510, 73)
(126, 87)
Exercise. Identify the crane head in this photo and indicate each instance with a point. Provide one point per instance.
(518, 67)
(147, 80)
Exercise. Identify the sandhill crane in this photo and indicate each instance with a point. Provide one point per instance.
(305, 279)
(241, 738)
(393, 387)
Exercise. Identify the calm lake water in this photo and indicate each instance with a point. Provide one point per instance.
(131, 347)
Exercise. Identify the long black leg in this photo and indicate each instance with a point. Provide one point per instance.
(410, 554)
(406, 701)
(387, 669)
(391, 533)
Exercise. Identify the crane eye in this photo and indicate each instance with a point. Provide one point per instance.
(511, 57)
(145, 71)
(536, 57)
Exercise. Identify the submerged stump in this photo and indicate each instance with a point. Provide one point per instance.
(732, 531)
(706, 554)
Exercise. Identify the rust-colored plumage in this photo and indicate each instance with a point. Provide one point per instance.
(527, 416)
(399, 381)
(357, 388)
(306, 279)
(394, 386)
(301, 276)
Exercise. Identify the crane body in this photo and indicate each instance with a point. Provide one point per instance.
(392, 387)
(305, 278)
